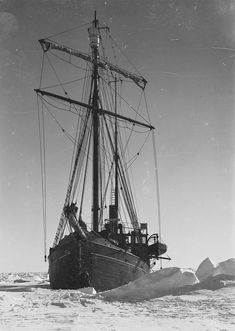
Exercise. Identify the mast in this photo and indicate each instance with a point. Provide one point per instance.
(94, 43)
(116, 151)
(95, 107)
(115, 203)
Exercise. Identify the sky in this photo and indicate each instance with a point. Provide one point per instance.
(185, 49)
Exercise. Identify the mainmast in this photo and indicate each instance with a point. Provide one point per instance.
(116, 151)
(94, 37)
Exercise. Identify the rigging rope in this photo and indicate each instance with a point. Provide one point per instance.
(132, 160)
(68, 30)
(69, 62)
(127, 195)
(80, 126)
(41, 129)
(110, 36)
(85, 174)
(56, 75)
(67, 83)
(156, 178)
(68, 135)
(43, 173)
(157, 187)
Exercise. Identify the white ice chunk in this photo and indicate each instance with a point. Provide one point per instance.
(205, 269)
(225, 268)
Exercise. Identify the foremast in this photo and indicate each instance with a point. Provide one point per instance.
(94, 37)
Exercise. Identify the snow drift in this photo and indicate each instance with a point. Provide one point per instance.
(158, 283)
(174, 281)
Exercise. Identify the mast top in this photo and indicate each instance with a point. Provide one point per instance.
(95, 38)
(94, 34)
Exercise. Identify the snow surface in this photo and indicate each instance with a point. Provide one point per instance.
(168, 299)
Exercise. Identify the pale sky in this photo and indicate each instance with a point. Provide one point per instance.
(185, 49)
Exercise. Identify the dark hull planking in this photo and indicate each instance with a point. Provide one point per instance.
(107, 265)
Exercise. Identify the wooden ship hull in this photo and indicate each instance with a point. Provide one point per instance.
(107, 265)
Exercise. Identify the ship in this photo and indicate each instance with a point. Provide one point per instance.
(111, 246)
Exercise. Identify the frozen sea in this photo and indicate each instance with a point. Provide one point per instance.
(27, 303)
